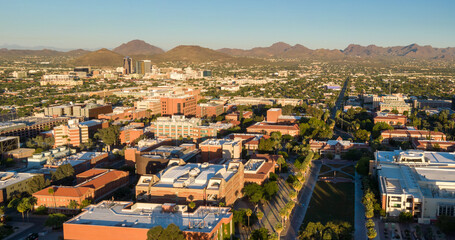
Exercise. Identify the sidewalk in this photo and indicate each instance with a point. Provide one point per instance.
(360, 232)
(21, 227)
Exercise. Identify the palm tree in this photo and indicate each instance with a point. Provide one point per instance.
(259, 214)
(296, 148)
(293, 195)
(220, 204)
(297, 185)
(278, 229)
(192, 205)
(248, 213)
(281, 161)
(31, 202)
(283, 213)
(52, 192)
(288, 146)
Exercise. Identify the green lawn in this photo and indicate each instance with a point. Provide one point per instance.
(331, 202)
(349, 169)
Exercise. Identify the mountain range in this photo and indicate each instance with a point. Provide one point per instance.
(139, 49)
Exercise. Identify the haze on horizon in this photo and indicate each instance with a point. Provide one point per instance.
(230, 24)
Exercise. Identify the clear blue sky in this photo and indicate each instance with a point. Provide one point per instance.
(235, 24)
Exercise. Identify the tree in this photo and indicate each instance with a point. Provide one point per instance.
(253, 192)
(293, 195)
(154, 233)
(297, 185)
(248, 213)
(55, 220)
(362, 135)
(405, 217)
(172, 232)
(379, 127)
(52, 192)
(281, 161)
(220, 204)
(22, 207)
(369, 223)
(363, 166)
(270, 189)
(259, 214)
(260, 234)
(279, 228)
(37, 183)
(289, 147)
(110, 135)
(369, 213)
(283, 214)
(63, 171)
(85, 203)
(371, 233)
(73, 204)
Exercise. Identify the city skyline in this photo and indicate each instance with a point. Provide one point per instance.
(235, 24)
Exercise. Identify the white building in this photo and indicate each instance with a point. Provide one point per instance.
(422, 183)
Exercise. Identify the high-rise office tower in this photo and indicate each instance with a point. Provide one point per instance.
(143, 66)
(127, 65)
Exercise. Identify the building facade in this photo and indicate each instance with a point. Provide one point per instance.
(73, 134)
(201, 183)
(127, 220)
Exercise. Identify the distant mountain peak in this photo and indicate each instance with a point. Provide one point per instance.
(137, 47)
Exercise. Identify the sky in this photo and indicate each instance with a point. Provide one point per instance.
(233, 24)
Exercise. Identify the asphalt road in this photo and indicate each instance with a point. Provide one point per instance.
(339, 101)
(38, 224)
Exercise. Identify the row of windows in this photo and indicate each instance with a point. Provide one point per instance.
(446, 210)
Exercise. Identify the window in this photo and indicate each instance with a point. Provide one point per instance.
(446, 210)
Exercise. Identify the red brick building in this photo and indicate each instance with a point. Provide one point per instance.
(98, 183)
(209, 110)
(62, 196)
(391, 119)
(217, 149)
(268, 128)
(203, 183)
(125, 114)
(127, 220)
(435, 145)
(409, 135)
(178, 105)
(249, 141)
(336, 147)
(259, 167)
(130, 133)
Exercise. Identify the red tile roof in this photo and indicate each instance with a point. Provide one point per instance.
(104, 179)
(91, 173)
(64, 191)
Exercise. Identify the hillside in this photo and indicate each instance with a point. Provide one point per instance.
(101, 58)
(137, 47)
(284, 50)
(412, 51)
(40, 53)
(188, 53)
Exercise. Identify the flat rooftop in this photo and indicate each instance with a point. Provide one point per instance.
(218, 142)
(434, 158)
(148, 215)
(193, 175)
(10, 178)
(85, 155)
